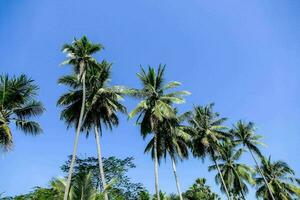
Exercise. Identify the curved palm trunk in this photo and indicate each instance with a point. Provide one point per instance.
(176, 178)
(156, 167)
(221, 176)
(261, 173)
(100, 162)
(67, 189)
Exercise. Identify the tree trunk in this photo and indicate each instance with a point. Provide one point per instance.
(156, 167)
(176, 179)
(100, 162)
(67, 189)
(261, 173)
(221, 176)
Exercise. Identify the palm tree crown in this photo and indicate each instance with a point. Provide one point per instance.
(102, 100)
(155, 104)
(236, 175)
(172, 139)
(244, 134)
(281, 179)
(18, 106)
(79, 54)
(207, 131)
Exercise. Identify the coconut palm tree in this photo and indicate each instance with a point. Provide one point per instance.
(236, 175)
(102, 102)
(244, 134)
(281, 179)
(79, 56)
(18, 106)
(172, 140)
(207, 132)
(154, 107)
(81, 188)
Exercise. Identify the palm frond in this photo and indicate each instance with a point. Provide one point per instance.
(28, 127)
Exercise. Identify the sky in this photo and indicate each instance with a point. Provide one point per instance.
(242, 55)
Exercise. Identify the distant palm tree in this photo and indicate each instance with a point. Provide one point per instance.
(245, 135)
(18, 106)
(236, 175)
(154, 107)
(79, 54)
(207, 132)
(102, 102)
(172, 140)
(280, 178)
(82, 188)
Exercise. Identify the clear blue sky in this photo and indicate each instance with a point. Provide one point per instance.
(242, 55)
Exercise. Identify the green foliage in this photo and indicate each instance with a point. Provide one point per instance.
(244, 134)
(172, 139)
(281, 179)
(207, 130)
(79, 55)
(82, 187)
(144, 195)
(115, 169)
(37, 194)
(156, 103)
(236, 175)
(18, 106)
(200, 191)
(102, 100)
(162, 196)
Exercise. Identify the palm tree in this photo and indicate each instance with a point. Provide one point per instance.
(102, 102)
(172, 140)
(280, 178)
(207, 131)
(79, 54)
(236, 175)
(18, 106)
(154, 107)
(83, 188)
(244, 134)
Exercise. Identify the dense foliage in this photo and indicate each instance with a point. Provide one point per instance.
(115, 171)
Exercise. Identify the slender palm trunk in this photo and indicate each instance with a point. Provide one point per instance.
(156, 167)
(76, 140)
(176, 178)
(221, 176)
(261, 173)
(100, 162)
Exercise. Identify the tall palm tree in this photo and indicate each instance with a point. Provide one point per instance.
(244, 134)
(18, 105)
(236, 175)
(172, 140)
(102, 102)
(154, 107)
(207, 130)
(280, 178)
(79, 55)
